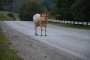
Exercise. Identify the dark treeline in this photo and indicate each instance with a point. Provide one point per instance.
(26, 8)
(70, 10)
(31, 7)
(73, 10)
(6, 5)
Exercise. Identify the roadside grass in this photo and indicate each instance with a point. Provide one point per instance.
(4, 17)
(71, 25)
(6, 53)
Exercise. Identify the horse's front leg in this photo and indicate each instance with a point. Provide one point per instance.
(41, 27)
(41, 30)
(45, 31)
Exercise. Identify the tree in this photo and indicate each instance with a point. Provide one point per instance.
(80, 10)
(75, 10)
(62, 7)
(29, 9)
(6, 5)
(3, 4)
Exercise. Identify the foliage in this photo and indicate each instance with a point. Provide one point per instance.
(4, 16)
(81, 10)
(48, 4)
(11, 15)
(5, 52)
(73, 9)
(5, 4)
(29, 9)
(63, 8)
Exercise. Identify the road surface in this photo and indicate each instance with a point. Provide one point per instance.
(73, 41)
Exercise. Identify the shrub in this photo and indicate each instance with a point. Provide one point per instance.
(11, 15)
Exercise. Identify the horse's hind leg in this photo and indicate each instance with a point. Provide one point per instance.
(36, 31)
(41, 30)
(45, 31)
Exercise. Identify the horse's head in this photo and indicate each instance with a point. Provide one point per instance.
(44, 16)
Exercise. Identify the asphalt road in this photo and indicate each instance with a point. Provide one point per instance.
(69, 40)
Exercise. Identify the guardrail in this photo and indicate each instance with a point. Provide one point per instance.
(70, 22)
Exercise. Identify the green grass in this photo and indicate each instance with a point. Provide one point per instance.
(71, 25)
(4, 17)
(6, 53)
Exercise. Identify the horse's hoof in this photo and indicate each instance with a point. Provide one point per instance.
(36, 34)
(41, 35)
(45, 35)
